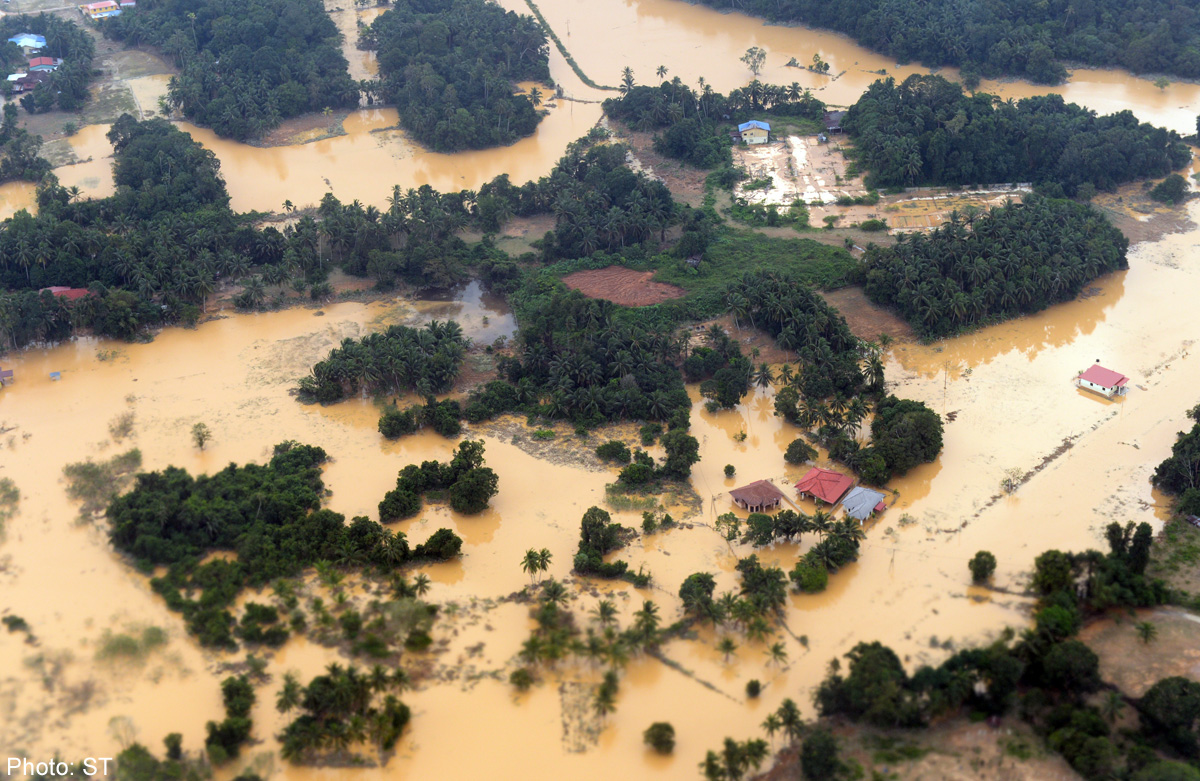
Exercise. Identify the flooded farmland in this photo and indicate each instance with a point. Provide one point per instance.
(1009, 389)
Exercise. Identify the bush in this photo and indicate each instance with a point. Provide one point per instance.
(1172, 190)
(982, 565)
(660, 736)
(521, 678)
(819, 756)
(873, 226)
(753, 688)
(395, 423)
(799, 451)
(810, 577)
(729, 470)
(442, 545)
(614, 450)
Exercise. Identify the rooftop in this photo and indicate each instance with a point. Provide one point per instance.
(1105, 378)
(754, 123)
(824, 484)
(758, 492)
(861, 502)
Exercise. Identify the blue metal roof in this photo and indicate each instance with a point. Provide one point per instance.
(742, 128)
(28, 39)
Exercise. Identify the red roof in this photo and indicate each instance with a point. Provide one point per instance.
(42, 61)
(1105, 378)
(825, 484)
(69, 293)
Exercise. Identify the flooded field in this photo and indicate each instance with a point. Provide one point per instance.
(1014, 404)
(1008, 388)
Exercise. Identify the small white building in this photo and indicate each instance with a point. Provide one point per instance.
(1106, 382)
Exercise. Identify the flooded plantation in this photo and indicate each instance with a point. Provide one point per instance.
(1006, 392)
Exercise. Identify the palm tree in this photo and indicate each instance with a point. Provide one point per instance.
(544, 556)
(554, 592)
(535, 97)
(421, 584)
(1146, 631)
(727, 646)
(290, 694)
(605, 612)
(763, 377)
(531, 564)
(661, 71)
(1112, 705)
(777, 653)
(789, 717)
(772, 724)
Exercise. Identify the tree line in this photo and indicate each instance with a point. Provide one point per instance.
(393, 361)
(1179, 473)
(926, 130)
(67, 87)
(1009, 37)
(245, 65)
(269, 515)
(1016, 258)
(450, 69)
(20, 151)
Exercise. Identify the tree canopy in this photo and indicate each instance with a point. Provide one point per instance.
(450, 70)
(1017, 258)
(1009, 37)
(245, 65)
(925, 130)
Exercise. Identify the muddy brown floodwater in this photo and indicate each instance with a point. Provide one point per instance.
(1008, 386)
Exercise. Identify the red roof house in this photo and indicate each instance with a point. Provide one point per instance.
(1103, 381)
(824, 484)
(69, 293)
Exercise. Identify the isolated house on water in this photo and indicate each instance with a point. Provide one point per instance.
(1106, 382)
(759, 496)
(861, 503)
(824, 484)
(754, 132)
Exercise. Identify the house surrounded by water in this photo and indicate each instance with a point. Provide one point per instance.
(825, 485)
(1106, 382)
(760, 496)
(754, 132)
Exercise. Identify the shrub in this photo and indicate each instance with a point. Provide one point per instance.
(811, 578)
(799, 451)
(753, 688)
(729, 470)
(873, 226)
(982, 565)
(442, 545)
(395, 423)
(819, 756)
(614, 450)
(521, 678)
(1171, 190)
(660, 736)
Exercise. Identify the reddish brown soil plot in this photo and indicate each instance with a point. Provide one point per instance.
(622, 286)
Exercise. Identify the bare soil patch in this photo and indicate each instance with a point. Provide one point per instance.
(622, 286)
(750, 338)
(866, 320)
(1135, 666)
(304, 129)
(685, 182)
(1132, 211)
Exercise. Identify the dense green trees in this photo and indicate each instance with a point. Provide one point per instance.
(904, 433)
(691, 120)
(244, 64)
(464, 480)
(1009, 37)
(19, 150)
(1179, 473)
(226, 738)
(396, 360)
(1020, 257)
(450, 70)
(343, 707)
(67, 87)
(722, 370)
(599, 535)
(267, 514)
(927, 131)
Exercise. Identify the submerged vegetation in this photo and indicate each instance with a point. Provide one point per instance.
(464, 481)
(268, 515)
(340, 708)
(1179, 474)
(1016, 258)
(450, 68)
(245, 65)
(926, 130)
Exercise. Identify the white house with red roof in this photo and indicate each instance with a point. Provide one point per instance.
(1106, 382)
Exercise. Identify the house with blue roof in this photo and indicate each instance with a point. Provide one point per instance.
(754, 132)
(29, 42)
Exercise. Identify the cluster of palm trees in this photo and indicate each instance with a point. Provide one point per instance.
(393, 361)
(536, 561)
(1016, 258)
(342, 708)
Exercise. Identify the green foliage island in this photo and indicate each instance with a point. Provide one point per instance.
(926, 130)
(1017, 258)
(450, 69)
(245, 65)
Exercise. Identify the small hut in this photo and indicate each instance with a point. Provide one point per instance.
(833, 121)
(1106, 382)
(759, 496)
(824, 484)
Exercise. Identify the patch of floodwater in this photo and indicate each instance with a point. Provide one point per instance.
(15, 196)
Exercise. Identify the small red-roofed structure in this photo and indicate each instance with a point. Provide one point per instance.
(824, 484)
(69, 293)
(1106, 382)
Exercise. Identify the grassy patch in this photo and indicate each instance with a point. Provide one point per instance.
(1175, 555)
(1020, 748)
(891, 751)
(133, 646)
(736, 253)
(109, 101)
(96, 483)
